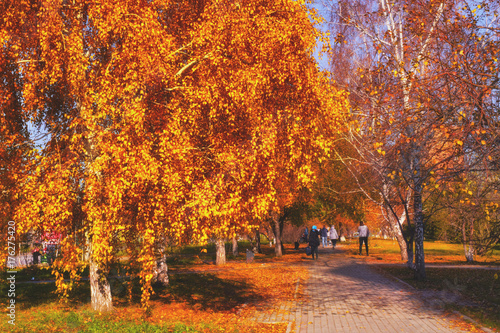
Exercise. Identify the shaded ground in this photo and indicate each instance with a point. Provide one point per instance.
(345, 294)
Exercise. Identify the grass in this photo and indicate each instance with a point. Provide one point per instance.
(435, 252)
(201, 297)
(55, 318)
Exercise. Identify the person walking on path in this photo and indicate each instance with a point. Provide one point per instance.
(333, 235)
(363, 237)
(314, 241)
(306, 235)
(324, 236)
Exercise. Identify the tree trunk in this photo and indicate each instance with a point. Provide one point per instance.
(160, 275)
(235, 246)
(396, 231)
(419, 227)
(257, 248)
(220, 251)
(277, 234)
(468, 251)
(409, 252)
(403, 247)
(100, 289)
(395, 222)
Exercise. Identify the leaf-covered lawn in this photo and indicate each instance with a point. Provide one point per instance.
(202, 298)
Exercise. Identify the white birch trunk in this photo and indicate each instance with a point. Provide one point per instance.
(277, 246)
(235, 246)
(100, 289)
(220, 251)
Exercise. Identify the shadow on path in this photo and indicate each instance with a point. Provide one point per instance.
(345, 294)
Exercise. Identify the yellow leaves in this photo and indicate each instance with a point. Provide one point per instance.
(459, 142)
(377, 146)
(224, 148)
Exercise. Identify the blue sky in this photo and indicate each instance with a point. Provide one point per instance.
(323, 63)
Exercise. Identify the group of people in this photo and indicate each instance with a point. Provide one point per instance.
(316, 234)
(40, 257)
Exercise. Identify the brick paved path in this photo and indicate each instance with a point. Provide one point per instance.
(346, 295)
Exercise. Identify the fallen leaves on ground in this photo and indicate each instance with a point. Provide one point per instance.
(220, 301)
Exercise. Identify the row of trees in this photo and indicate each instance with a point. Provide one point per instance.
(164, 119)
(423, 81)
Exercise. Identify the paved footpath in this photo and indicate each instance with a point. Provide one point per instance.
(346, 295)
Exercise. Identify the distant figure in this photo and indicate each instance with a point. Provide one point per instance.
(306, 235)
(314, 241)
(297, 245)
(363, 237)
(324, 236)
(44, 259)
(250, 256)
(333, 235)
(36, 255)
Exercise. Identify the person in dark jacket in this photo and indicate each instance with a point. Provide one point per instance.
(36, 255)
(314, 241)
(324, 236)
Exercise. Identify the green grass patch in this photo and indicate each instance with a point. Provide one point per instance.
(85, 320)
(435, 252)
(31, 273)
(39, 309)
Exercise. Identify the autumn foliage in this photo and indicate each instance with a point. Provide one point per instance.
(171, 120)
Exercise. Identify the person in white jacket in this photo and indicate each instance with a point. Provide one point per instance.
(333, 235)
(363, 237)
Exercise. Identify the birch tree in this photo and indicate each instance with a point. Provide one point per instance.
(409, 106)
(179, 119)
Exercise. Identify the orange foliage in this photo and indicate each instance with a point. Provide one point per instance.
(166, 119)
(13, 137)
